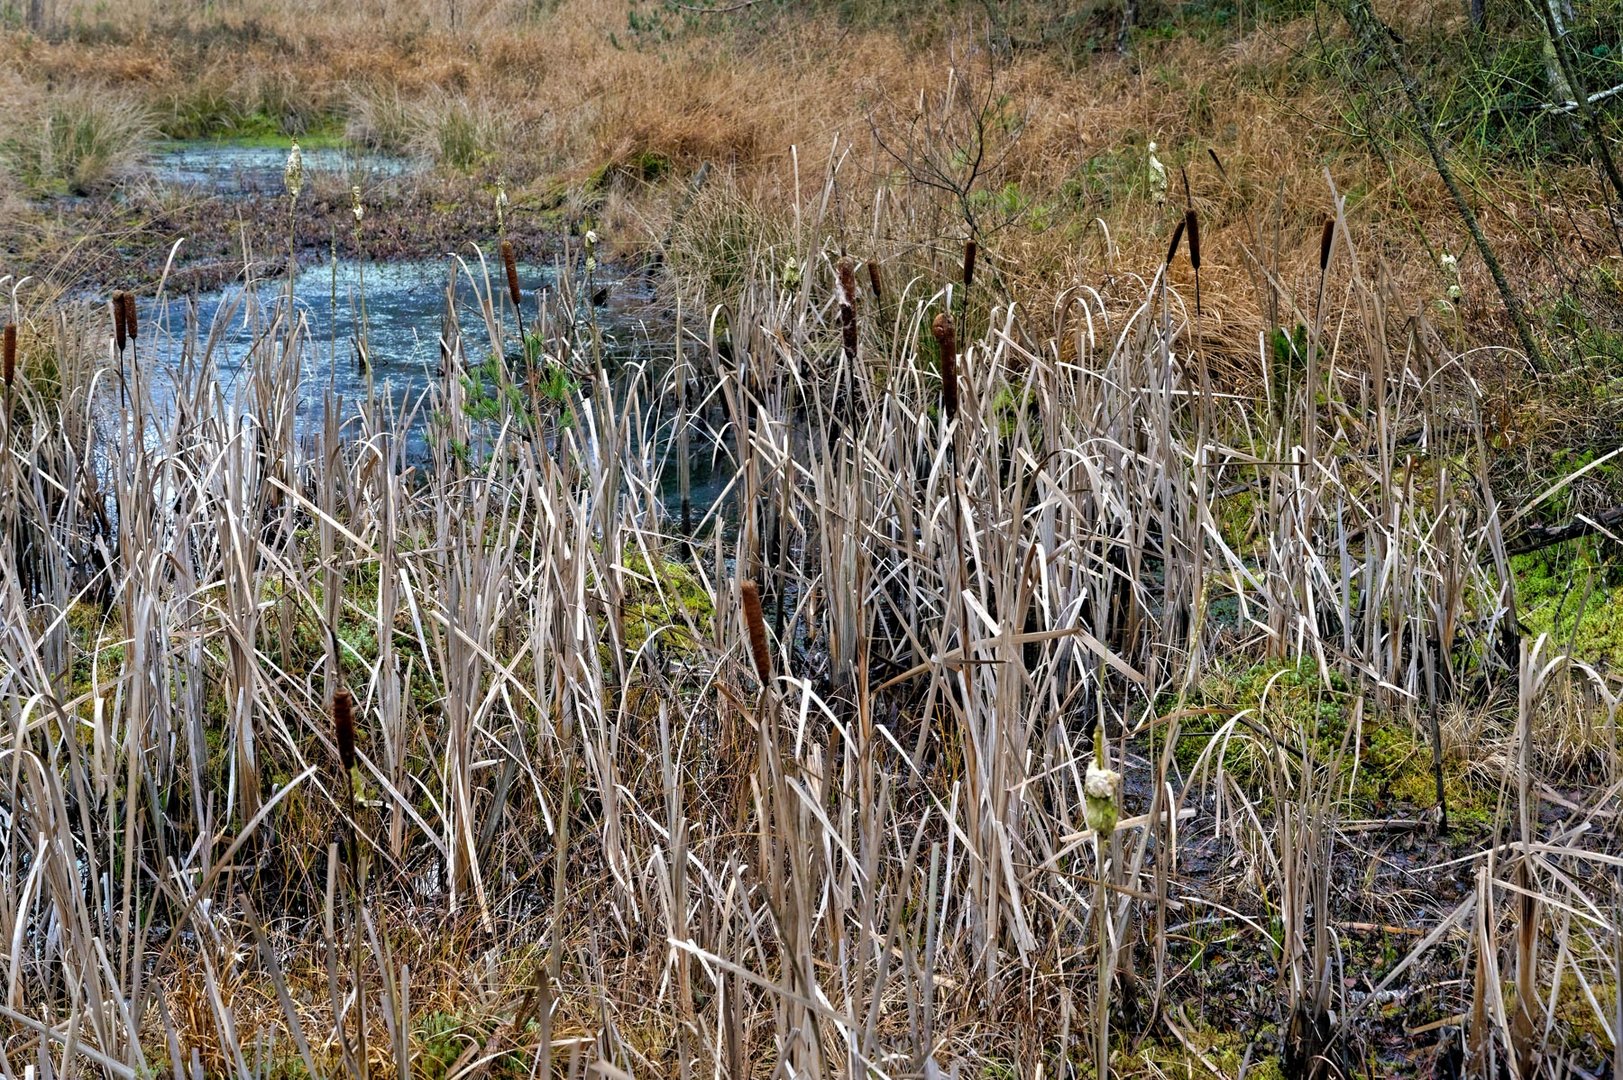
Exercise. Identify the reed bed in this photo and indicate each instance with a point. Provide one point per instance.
(321, 759)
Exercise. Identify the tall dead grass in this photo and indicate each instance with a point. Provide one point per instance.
(606, 815)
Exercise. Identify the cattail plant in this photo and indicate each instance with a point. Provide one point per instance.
(1101, 810)
(293, 173)
(1192, 230)
(293, 180)
(343, 724)
(357, 210)
(947, 340)
(848, 308)
(1177, 240)
(873, 283)
(10, 354)
(121, 321)
(1327, 239)
(510, 265)
(755, 624)
(971, 248)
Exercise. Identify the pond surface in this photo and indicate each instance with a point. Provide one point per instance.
(248, 169)
(404, 307)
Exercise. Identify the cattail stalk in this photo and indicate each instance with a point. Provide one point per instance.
(755, 623)
(510, 266)
(343, 722)
(946, 337)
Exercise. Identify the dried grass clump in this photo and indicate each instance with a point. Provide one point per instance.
(380, 118)
(80, 140)
(460, 132)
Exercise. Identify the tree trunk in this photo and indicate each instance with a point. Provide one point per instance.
(1376, 41)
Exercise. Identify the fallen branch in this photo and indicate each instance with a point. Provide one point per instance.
(1593, 99)
(1607, 523)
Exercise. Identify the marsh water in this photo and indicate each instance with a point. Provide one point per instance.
(228, 168)
(394, 312)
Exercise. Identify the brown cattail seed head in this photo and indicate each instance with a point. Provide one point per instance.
(970, 249)
(11, 354)
(848, 308)
(947, 338)
(1191, 222)
(132, 321)
(873, 281)
(343, 723)
(1326, 238)
(1177, 238)
(755, 623)
(121, 325)
(848, 283)
(510, 264)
